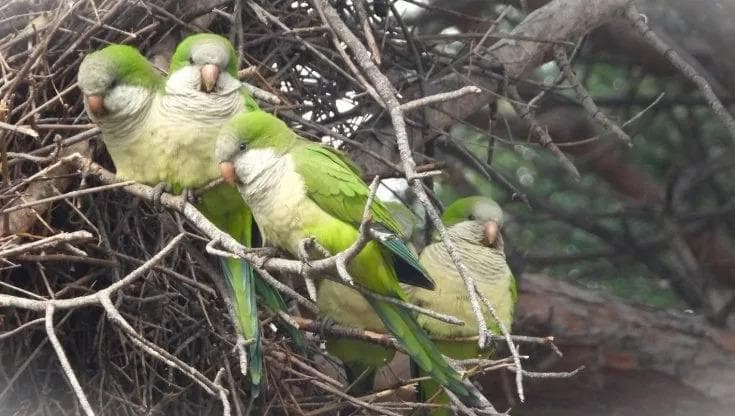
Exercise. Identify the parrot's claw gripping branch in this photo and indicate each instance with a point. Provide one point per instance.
(305, 247)
(158, 191)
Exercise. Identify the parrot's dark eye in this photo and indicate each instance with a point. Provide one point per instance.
(471, 217)
(242, 146)
(191, 60)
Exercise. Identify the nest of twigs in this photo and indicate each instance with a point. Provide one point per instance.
(67, 236)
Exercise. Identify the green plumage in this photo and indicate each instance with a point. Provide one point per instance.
(485, 260)
(163, 131)
(299, 189)
(346, 306)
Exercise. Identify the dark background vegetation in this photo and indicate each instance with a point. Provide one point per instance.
(631, 268)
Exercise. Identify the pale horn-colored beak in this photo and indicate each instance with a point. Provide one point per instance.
(210, 75)
(227, 169)
(490, 230)
(96, 104)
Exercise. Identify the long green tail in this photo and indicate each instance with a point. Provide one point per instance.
(418, 345)
(274, 301)
(224, 206)
(430, 392)
(241, 281)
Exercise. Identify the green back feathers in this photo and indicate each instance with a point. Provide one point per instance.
(185, 51)
(117, 64)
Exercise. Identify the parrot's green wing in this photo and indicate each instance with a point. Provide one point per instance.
(334, 184)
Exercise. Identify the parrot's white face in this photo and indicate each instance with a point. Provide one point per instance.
(205, 72)
(188, 81)
(481, 225)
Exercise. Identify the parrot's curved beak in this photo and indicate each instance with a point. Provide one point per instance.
(227, 169)
(490, 230)
(96, 104)
(210, 75)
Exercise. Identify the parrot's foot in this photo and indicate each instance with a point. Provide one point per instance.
(310, 288)
(187, 196)
(265, 254)
(158, 191)
(310, 248)
(305, 247)
(324, 323)
(489, 342)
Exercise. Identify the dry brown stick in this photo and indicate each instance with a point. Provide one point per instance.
(40, 305)
(524, 111)
(65, 365)
(554, 374)
(639, 22)
(354, 400)
(52, 241)
(282, 357)
(71, 194)
(19, 129)
(362, 15)
(12, 332)
(587, 102)
(441, 97)
(511, 345)
(156, 351)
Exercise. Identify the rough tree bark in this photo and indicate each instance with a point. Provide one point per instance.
(630, 337)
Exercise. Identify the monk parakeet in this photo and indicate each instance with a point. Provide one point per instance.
(298, 189)
(163, 132)
(473, 226)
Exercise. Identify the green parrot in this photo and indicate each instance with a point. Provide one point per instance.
(473, 226)
(298, 189)
(162, 132)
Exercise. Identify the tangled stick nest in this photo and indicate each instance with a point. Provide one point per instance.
(162, 342)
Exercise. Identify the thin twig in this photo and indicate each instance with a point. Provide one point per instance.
(639, 22)
(524, 111)
(441, 97)
(65, 365)
(44, 243)
(587, 102)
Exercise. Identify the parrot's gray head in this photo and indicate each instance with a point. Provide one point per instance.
(115, 79)
(250, 131)
(475, 219)
(97, 75)
(210, 52)
(98, 79)
(208, 55)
